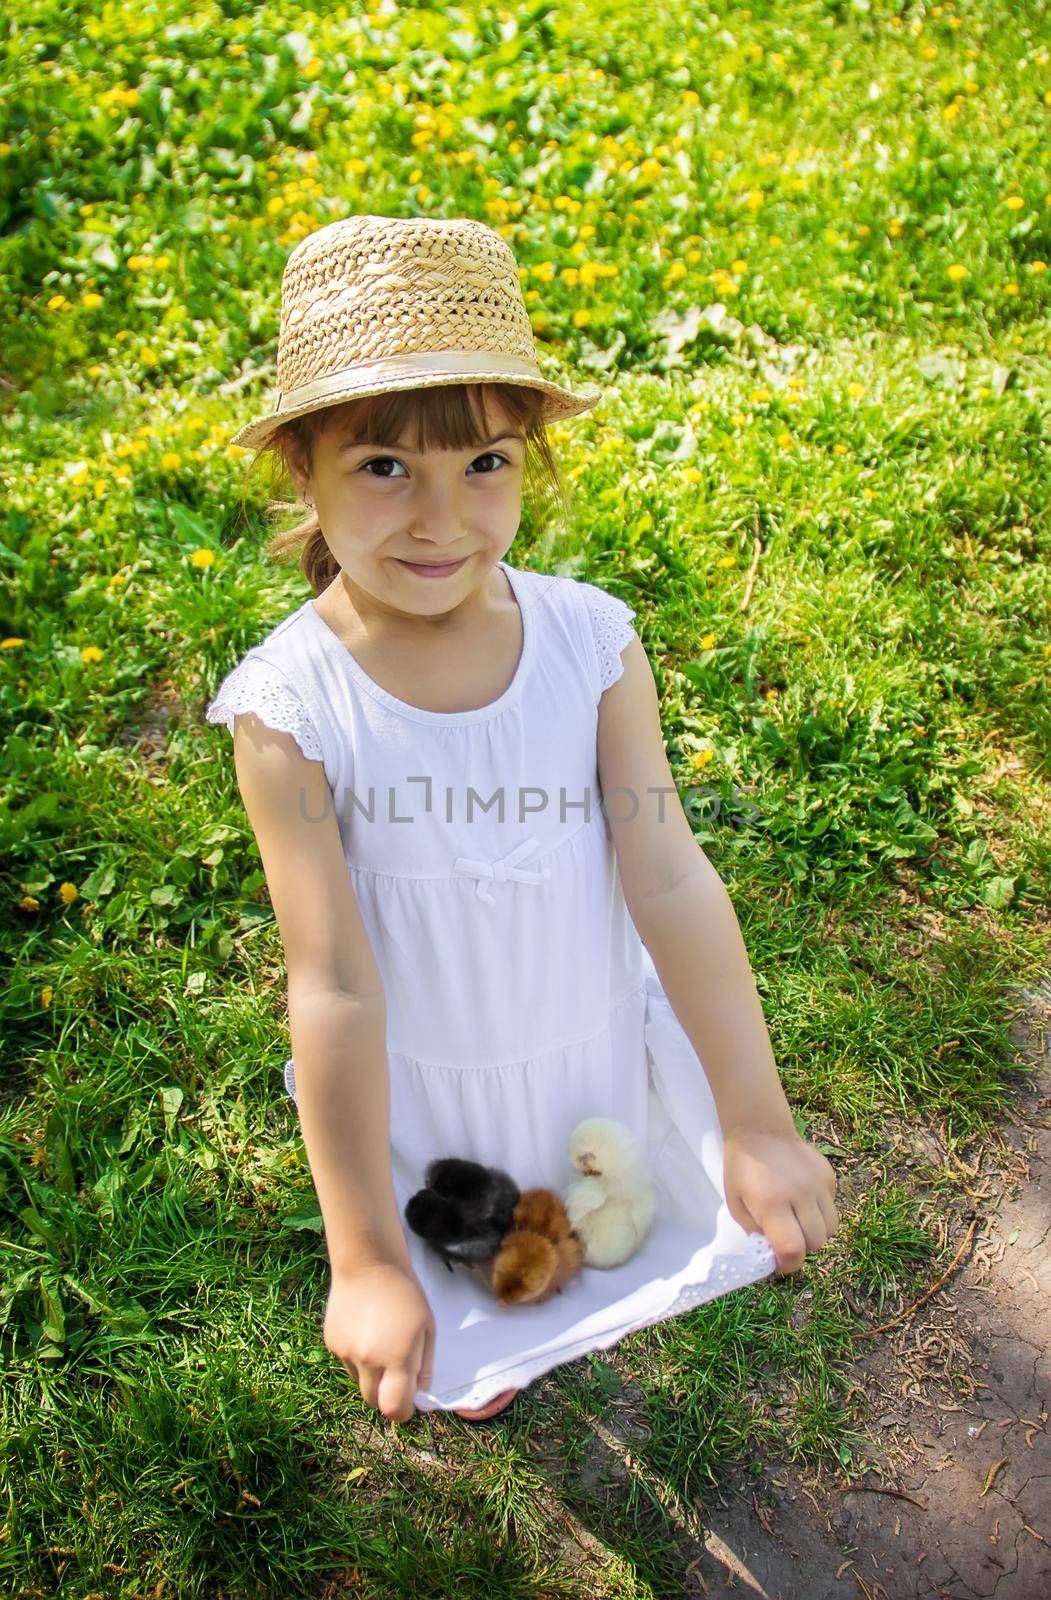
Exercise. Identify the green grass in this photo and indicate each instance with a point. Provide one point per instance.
(864, 743)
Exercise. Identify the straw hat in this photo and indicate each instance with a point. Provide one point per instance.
(370, 304)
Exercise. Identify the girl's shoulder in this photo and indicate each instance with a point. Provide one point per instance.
(277, 680)
(599, 623)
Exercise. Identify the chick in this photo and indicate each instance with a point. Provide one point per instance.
(539, 1254)
(464, 1210)
(613, 1205)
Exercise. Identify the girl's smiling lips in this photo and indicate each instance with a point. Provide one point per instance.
(432, 569)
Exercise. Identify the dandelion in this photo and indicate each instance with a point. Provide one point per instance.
(95, 372)
(13, 643)
(148, 357)
(91, 299)
(957, 271)
(840, 448)
(692, 475)
(202, 558)
(1038, 266)
(90, 652)
(784, 440)
(701, 758)
(56, 302)
(170, 460)
(754, 199)
(760, 396)
(1014, 202)
(46, 994)
(28, 903)
(162, 262)
(1010, 288)
(727, 561)
(68, 892)
(708, 641)
(855, 390)
(738, 266)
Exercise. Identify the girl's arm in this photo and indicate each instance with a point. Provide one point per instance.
(337, 1014)
(775, 1181)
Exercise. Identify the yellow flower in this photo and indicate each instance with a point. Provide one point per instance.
(784, 440)
(136, 263)
(28, 903)
(13, 643)
(840, 448)
(754, 199)
(957, 271)
(675, 271)
(69, 892)
(46, 994)
(738, 266)
(760, 396)
(727, 561)
(708, 641)
(692, 475)
(701, 758)
(738, 418)
(202, 558)
(162, 262)
(544, 270)
(1038, 266)
(99, 488)
(581, 317)
(855, 390)
(569, 276)
(91, 299)
(1014, 202)
(894, 227)
(56, 302)
(149, 357)
(90, 652)
(170, 460)
(1010, 288)
(951, 112)
(95, 372)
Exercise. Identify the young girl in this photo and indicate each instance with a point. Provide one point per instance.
(496, 918)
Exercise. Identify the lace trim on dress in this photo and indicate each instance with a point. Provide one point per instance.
(258, 686)
(610, 619)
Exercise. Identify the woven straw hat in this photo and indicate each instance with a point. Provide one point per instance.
(370, 304)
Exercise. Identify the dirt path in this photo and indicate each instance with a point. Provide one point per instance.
(960, 1395)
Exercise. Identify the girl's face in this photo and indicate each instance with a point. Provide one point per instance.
(384, 506)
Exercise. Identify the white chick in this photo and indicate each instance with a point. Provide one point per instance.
(612, 1207)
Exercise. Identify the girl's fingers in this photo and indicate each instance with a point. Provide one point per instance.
(812, 1221)
(426, 1366)
(830, 1214)
(368, 1383)
(786, 1236)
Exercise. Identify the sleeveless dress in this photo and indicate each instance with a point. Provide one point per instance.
(520, 998)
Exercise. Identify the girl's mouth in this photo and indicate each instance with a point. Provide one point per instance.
(427, 571)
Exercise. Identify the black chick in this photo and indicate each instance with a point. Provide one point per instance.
(464, 1210)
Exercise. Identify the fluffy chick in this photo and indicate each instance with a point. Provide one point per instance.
(464, 1209)
(613, 1205)
(538, 1256)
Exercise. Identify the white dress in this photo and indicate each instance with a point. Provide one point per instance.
(520, 998)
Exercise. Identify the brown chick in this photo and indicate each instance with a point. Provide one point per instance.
(538, 1255)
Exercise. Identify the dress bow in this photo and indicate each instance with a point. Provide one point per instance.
(504, 868)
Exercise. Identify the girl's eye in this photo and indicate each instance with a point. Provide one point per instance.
(489, 455)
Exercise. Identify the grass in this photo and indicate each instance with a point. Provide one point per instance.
(805, 247)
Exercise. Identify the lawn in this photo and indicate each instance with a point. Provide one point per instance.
(805, 249)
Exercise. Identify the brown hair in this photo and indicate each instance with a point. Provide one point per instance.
(443, 417)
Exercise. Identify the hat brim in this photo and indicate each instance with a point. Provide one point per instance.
(562, 403)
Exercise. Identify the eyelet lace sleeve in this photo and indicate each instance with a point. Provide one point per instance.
(257, 685)
(611, 628)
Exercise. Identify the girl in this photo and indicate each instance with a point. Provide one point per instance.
(495, 915)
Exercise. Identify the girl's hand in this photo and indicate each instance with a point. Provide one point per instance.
(779, 1185)
(379, 1323)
